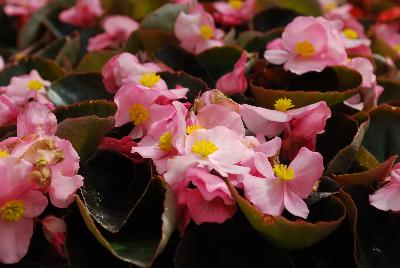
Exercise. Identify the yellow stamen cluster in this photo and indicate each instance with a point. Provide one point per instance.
(204, 148)
(330, 6)
(350, 33)
(206, 31)
(397, 48)
(3, 154)
(283, 104)
(305, 49)
(149, 79)
(12, 211)
(138, 114)
(35, 85)
(190, 129)
(236, 4)
(165, 142)
(283, 172)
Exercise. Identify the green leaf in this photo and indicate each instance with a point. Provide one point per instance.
(195, 85)
(163, 18)
(48, 70)
(228, 245)
(147, 231)
(391, 92)
(100, 108)
(273, 18)
(325, 216)
(69, 53)
(219, 60)
(150, 40)
(306, 7)
(381, 47)
(94, 61)
(333, 85)
(364, 161)
(381, 138)
(257, 41)
(85, 133)
(113, 187)
(78, 87)
(133, 8)
(375, 174)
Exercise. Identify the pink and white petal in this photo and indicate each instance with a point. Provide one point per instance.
(177, 167)
(270, 148)
(100, 41)
(63, 189)
(35, 203)
(387, 197)
(294, 204)
(263, 165)
(276, 56)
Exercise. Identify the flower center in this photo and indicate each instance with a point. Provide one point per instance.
(283, 104)
(204, 148)
(330, 6)
(35, 85)
(350, 33)
(12, 210)
(165, 142)
(305, 49)
(283, 172)
(206, 31)
(149, 79)
(3, 154)
(190, 129)
(138, 114)
(397, 48)
(236, 4)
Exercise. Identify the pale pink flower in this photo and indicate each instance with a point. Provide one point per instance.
(196, 31)
(19, 205)
(8, 111)
(299, 126)
(117, 31)
(137, 105)
(217, 149)
(209, 201)
(235, 81)
(36, 119)
(83, 14)
(234, 12)
(284, 186)
(28, 87)
(122, 66)
(311, 44)
(165, 139)
(23, 8)
(388, 197)
(54, 230)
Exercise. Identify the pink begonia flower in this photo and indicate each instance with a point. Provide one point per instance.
(390, 34)
(388, 197)
(352, 31)
(36, 119)
(117, 30)
(23, 8)
(136, 104)
(311, 44)
(215, 149)
(370, 90)
(54, 230)
(8, 111)
(84, 13)
(164, 140)
(196, 31)
(210, 201)
(299, 126)
(28, 87)
(19, 205)
(234, 81)
(284, 186)
(234, 12)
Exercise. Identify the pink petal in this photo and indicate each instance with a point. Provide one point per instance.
(276, 56)
(62, 190)
(294, 204)
(387, 197)
(36, 119)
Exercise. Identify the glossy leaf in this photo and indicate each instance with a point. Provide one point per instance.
(391, 92)
(94, 61)
(297, 234)
(100, 108)
(273, 18)
(306, 7)
(163, 18)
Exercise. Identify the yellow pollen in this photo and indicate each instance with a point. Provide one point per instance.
(397, 48)
(204, 148)
(350, 33)
(330, 6)
(283, 172)
(190, 129)
(206, 31)
(236, 4)
(12, 210)
(149, 79)
(283, 104)
(35, 85)
(165, 142)
(3, 154)
(138, 114)
(305, 49)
